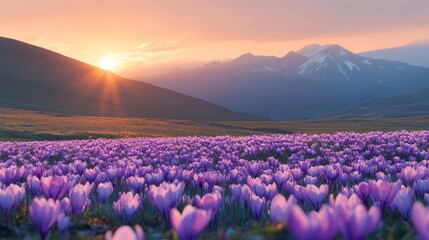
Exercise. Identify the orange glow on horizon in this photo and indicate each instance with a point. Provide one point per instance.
(108, 63)
(141, 34)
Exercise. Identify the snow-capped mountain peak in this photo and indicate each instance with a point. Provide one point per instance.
(312, 49)
(331, 64)
(333, 60)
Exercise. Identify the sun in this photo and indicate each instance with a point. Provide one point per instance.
(108, 63)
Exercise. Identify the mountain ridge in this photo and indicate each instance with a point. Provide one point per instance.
(34, 78)
(294, 86)
(415, 103)
(415, 53)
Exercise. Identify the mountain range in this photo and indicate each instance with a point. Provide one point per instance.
(34, 78)
(415, 53)
(313, 81)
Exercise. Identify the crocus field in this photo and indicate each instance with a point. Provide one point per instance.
(329, 186)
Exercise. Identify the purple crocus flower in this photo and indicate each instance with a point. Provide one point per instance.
(34, 184)
(343, 202)
(54, 187)
(111, 173)
(136, 183)
(257, 205)
(7, 199)
(19, 193)
(9, 175)
(210, 201)
(87, 187)
(261, 189)
(281, 177)
(356, 222)
(63, 223)
(362, 190)
(310, 180)
(315, 195)
(65, 205)
(383, 191)
(90, 174)
(128, 203)
(403, 202)
(44, 214)
(104, 191)
(187, 175)
(246, 193)
(280, 208)
(420, 219)
(235, 190)
(155, 178)
(101, 177)
(421, 186)
(332, 173)
(317, 225)
(80, 167)
(409, 175)
(253, 168)
(189, 224)
(126, 232)
(166, 196)
(79, 199)
(289, 187)
(298, 192)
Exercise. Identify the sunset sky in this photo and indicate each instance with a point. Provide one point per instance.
(134, 35)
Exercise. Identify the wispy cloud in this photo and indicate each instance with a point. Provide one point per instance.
(161, 47)
(147, 51)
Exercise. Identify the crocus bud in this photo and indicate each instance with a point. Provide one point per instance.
(104, 191)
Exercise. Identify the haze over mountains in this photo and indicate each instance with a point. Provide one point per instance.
(314, 81)
(416, 53)
(34, 78)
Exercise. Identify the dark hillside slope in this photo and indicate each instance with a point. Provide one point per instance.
(410, 104)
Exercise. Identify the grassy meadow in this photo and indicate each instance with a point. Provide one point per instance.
(20, 125)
